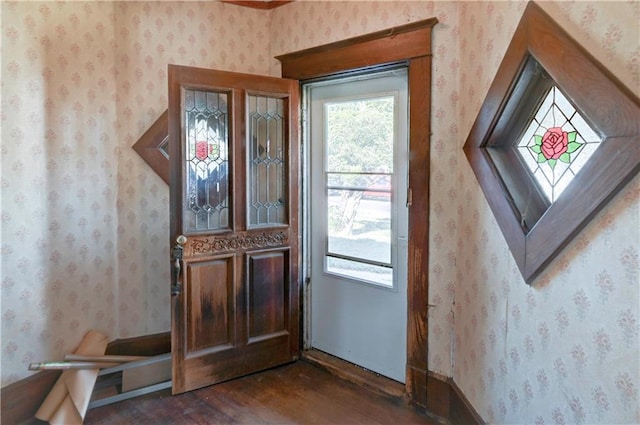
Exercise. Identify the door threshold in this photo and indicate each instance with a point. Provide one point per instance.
(358, 375)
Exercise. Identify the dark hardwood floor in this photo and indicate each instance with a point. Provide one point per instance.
(298, 393)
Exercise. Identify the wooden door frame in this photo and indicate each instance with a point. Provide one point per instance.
(411, 44)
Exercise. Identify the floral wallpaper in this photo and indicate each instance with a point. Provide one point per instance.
(564, 350)
(59, 184)
(301, 25)
(150, 36)
(85, 221)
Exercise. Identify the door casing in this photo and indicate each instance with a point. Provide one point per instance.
(410, 43)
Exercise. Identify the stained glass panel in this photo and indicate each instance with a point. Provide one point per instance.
(556, 144)
(559, 134)
(163, 147)
(207, 160)
(267, 161)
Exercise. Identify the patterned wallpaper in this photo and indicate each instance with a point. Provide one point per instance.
(311, 23)
(59, 183)
(150, 36)
(566, 349)
(85, 249)
(85, 221)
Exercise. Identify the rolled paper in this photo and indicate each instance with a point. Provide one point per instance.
(67, 402)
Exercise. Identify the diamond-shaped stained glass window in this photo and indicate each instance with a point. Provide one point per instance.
(557, 143)
(554, 140)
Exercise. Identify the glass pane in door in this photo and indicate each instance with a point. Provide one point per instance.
(207, 161)
(359, 143)
(267, 161)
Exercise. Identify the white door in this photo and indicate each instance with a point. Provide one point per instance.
(358, 219)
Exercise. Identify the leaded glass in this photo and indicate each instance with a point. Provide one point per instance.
(267, 161)
(163, 147)
(556, 144)
(207, 160)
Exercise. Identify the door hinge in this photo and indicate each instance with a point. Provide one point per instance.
(409, 197)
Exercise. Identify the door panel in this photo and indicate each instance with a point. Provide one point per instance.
(234, 224)
(267, 293)
(210, 301)
(358, 220)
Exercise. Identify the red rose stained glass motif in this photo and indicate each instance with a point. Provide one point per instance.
(554, 143)
(557, 143)
(202, 150)
(206, 150)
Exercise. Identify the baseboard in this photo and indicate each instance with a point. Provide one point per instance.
(21, 400)
(462, 412)
(438, 397)
(146, 345)
(447, 402)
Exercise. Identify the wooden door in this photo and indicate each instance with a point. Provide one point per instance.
(234, 224)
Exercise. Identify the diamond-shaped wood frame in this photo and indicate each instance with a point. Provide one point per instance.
(612, 109)
(148, 146)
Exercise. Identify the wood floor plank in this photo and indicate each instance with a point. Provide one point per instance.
(298, 393)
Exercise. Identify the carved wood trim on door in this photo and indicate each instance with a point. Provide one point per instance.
(410, 43)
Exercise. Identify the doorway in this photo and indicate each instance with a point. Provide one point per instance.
(409, 44)
(357, 218)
